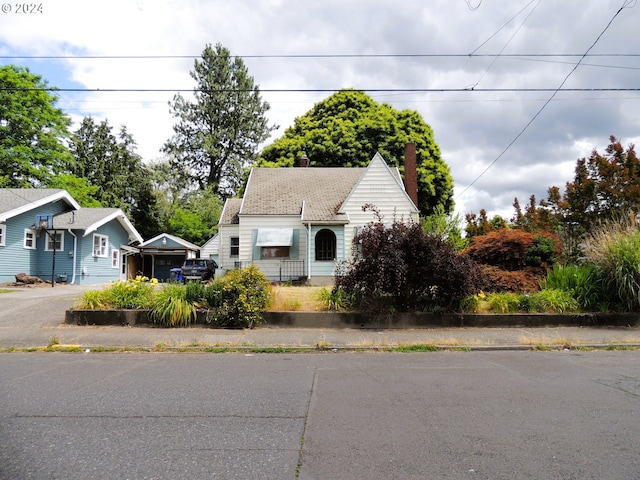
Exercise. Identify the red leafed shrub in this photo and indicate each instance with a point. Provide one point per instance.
(513, 249)
(498, 280)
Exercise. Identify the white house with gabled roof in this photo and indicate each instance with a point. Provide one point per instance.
(298, 223)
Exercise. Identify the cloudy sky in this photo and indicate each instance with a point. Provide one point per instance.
(480, 72)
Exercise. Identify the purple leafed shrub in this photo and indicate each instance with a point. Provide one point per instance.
(400, 267)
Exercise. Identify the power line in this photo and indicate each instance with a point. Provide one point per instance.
(625, 4)
(503, 26)
(320, 90)
(310, 56)
(507, 43)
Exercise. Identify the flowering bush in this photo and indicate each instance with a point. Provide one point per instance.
(235, 301)
(245, 294)
(132, 294)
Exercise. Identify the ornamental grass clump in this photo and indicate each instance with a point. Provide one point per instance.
(614, 249)
(552, 301)
(337, 299)
(171, 308)
(585, 283)
(131, 294)
(504, 302)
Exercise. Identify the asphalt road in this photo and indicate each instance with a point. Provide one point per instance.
(447, 415)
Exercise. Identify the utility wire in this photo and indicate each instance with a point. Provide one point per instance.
(321, 90)
(312, 56)
(559, 89)
(503, 26)
(471, 7)
(495, 59)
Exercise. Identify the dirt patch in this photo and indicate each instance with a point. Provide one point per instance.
(26, 285)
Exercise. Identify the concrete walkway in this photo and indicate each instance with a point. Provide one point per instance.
(33, 317)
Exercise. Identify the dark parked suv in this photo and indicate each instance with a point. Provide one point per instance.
(198, 269)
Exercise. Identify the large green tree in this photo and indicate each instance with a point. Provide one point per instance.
(196, 218)
(188, 213)
(218, 132)
(32, 130)
(109, 161)
(349, 127)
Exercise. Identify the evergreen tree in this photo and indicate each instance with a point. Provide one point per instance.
(218, 133)
(109, 162)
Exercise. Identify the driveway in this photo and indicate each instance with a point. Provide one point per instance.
(39, 306)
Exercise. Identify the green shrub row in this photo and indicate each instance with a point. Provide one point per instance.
(544, 301)
(235, 301)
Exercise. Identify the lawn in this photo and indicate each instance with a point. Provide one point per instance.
(304, 299)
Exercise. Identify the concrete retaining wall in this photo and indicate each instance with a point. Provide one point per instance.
(368, 321)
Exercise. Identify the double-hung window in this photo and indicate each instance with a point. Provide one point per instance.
(234, 247)
(3, 233)
(100, 245)
(55, 241)
(115, 258)
(29, 239)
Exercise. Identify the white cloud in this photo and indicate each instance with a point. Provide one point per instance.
(472, 128)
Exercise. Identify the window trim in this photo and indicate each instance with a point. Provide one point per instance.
(32, 232)
(333, 250)
(3, 234)
(103, 251)
(48, 245)
(115, 258)
(234, 247)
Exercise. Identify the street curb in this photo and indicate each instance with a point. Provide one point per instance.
(362, 321)
(283, 349)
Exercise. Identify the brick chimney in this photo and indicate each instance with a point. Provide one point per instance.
(411, 172)
(303, 161)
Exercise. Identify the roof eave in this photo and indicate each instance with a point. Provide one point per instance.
(62, 195)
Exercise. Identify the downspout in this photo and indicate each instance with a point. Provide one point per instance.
(75, 246)
(309, 251)
(308, 240)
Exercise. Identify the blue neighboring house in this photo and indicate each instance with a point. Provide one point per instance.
(164, 253)
(45, 233)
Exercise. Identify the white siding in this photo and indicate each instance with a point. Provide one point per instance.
(211, 249)
(380, 187)
(248, 224)
(224, 254)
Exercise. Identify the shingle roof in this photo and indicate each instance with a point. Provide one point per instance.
(90, 219)
(20, 199)
(83, 218)
(230, 212)
(285, 191)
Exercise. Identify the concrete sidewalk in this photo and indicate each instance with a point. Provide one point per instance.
(34, 317)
